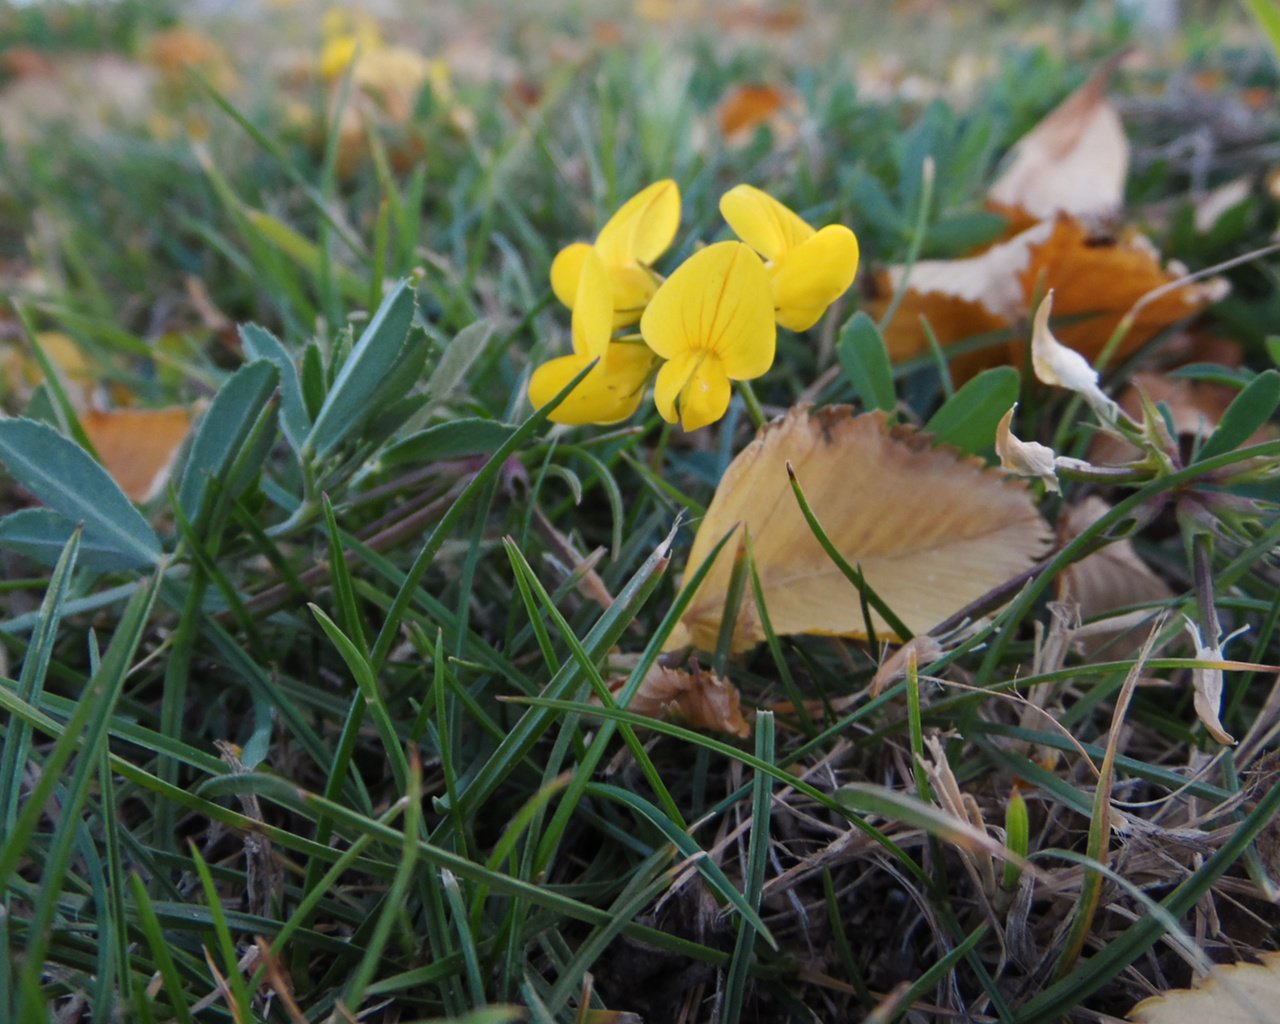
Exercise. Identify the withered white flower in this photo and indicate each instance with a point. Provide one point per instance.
(1207, 685)
(1025, 458)
(1064, 367)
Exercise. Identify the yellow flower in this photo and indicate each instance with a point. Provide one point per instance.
(808, 269)
(345, 35)
(614, 387)
(713, 321)
(628, 245)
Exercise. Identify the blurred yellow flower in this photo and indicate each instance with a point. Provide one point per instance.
(395, 75)
(808, 269)
(627, 245)
(615, 385)
(346, 34)
(712, 320)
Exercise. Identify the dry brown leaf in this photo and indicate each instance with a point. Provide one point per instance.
(1096, 282)
(991, 279)
(772, 19)
(1239, 993)
(177, 51)
(744, 107)
(1074, 161)
(959, 299)
(1114, 577)
(1065, 181)
(702, 698)
(921, 649)
(1098, 279)
(933, 531)
(138, 446)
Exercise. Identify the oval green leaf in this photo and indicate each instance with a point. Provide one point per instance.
(41, 534)
(458, 439)
(232, 420)
(365, 371)
(968, 419)
(260, 343)
(866, 363)
(68, 480)
(1247, 413)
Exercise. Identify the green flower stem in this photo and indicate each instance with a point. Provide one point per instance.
(754, 409)
(1106, 474)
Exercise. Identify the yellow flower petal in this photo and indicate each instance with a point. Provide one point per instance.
(566, 269)
(692, 388)
(336, 55)
(808, 278)
(625, 372)
(551, 378)
(632, 289)
(643, 227)
(762, 222)
(609, 393)
(717, 301)
(592, 308)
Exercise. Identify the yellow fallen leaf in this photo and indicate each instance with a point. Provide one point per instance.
(932, 530)
(138, 446)
(1239, 993)
(702, 698)
(1074, 161)
(20, 373)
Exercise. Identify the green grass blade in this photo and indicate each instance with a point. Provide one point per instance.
(13, 753)
(735, 986)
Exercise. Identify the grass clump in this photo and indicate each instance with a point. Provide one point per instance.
(330, 726)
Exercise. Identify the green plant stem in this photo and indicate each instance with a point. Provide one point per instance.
(754, 409)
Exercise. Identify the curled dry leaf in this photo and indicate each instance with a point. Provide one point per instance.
(138, 446)
(1075, 161)
(744, 107)
(1064, 184)
(933, 531)
(700, 697)
(1096, 280)
(1239, 993)
(923, 649)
